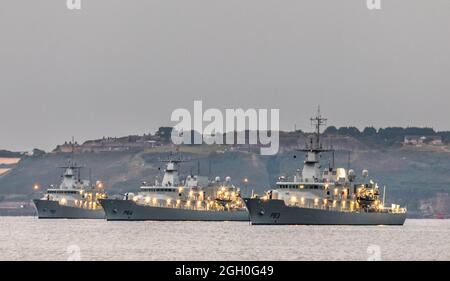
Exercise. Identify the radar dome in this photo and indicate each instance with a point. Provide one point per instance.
(365, 173)
(351, 175)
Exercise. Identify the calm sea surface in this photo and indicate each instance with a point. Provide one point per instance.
(27, 238)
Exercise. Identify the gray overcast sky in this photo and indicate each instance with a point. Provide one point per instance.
(120, 67)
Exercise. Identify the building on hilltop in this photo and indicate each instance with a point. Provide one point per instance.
(107, 144)
(419, 140)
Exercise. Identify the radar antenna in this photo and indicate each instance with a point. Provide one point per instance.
(315, 145)
(318, 122)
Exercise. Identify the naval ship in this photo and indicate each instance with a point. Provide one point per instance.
(171, 200)
(333, 196)
(73, 199)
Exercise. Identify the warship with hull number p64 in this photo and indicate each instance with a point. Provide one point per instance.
(171, 200)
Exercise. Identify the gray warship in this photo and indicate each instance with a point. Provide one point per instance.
(73, 199)
(170, 200)
(332, 196)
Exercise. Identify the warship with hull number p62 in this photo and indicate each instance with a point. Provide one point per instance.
(73, 199)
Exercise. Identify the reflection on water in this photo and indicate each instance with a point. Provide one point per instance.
(27, 238)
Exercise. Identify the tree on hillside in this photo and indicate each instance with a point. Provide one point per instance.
(391, 132)
(331, 130)
(419, 131)
(38, 152)
(164, 133)
(369, 131)
(445, 136)
(349, 131)
(400, 133)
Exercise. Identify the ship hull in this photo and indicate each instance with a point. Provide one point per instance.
(275, 212)
(127, 210)
(48, 209)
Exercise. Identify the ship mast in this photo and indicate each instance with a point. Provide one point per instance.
(315, 146)
(317, 122)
